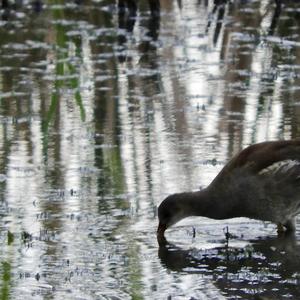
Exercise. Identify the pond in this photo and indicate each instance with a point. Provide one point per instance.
(105, 111)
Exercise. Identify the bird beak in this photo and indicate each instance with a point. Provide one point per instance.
(161, 230)
(160, 233)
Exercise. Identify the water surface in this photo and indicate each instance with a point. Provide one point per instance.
(103, 113)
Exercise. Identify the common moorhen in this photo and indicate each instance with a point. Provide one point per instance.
(261, 182)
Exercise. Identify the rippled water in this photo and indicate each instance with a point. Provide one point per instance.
(104, 112)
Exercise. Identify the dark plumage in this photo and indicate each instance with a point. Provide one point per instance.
(261, 182)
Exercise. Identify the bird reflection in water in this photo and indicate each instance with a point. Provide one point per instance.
(267, 267)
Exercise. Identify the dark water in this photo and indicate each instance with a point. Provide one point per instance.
(104, 113)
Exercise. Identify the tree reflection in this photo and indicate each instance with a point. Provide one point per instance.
(105, 108)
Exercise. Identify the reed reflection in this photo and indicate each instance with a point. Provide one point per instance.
(114, 107)
(127, 13)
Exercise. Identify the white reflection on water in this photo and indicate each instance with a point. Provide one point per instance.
(84, 182)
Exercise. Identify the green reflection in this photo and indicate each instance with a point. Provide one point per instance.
(6, 278)
(10, 238)
(75, 85)
(63, 68)
(113, 169)
(135, 273)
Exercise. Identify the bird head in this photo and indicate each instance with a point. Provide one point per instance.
(170, 211)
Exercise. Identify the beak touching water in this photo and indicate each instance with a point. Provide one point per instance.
(161, 229)
(160, 232)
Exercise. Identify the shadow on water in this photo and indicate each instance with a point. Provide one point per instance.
(266, 267)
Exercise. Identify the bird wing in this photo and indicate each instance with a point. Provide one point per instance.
(258, 157)
(284, 175)
(281, 183)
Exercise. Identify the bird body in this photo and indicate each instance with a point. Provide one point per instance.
(261, 182)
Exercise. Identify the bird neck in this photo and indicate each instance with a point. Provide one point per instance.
(205, 203)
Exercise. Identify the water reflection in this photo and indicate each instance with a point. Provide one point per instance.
(261, 267)
(127, 14)
(105, 110)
